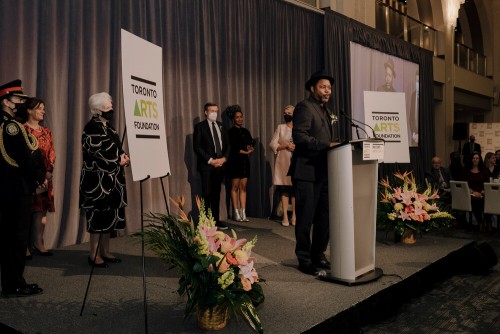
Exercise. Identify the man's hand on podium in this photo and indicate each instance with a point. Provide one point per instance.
(334, 143)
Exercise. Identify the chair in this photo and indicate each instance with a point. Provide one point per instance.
(461, 199)
(460, 196)
(492, 198)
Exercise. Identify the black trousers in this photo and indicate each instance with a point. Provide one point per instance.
(311, 207)
(211, 182)
(15, 220)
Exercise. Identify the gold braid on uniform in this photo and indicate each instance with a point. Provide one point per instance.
(31, 141)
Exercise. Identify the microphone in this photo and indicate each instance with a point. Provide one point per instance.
(357, 126)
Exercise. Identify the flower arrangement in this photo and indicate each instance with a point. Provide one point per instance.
(216, 269)
(402, 206)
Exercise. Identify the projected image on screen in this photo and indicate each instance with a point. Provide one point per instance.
(372, 70)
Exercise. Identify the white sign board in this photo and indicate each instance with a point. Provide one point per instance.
(385, 112)
(143, 102)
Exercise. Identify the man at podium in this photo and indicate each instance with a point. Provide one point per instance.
(312, 134)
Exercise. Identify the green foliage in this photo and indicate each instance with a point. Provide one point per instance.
(209, 276)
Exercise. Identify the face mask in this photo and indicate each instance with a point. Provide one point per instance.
(212, 116)
(20, 107)
(108, 115)
(288, 118)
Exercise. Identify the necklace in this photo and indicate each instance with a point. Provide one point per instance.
(34, 126)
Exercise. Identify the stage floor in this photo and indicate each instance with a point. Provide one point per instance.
(295, 302)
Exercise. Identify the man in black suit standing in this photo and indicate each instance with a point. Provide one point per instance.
(313, 135)
(210, 143)
(470, 147)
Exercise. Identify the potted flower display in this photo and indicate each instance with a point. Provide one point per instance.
(408, 211)
(217, 270)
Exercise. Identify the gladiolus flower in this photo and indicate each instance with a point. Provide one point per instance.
(247, 285)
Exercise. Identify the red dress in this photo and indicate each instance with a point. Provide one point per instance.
(44, 201)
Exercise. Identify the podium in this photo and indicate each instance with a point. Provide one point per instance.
(352, 189)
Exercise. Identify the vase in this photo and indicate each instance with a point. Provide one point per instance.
(409, 237)
(212, 318)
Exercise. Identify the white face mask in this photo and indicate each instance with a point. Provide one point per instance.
(212, 116)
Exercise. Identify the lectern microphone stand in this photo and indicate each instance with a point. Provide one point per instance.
(352, 189)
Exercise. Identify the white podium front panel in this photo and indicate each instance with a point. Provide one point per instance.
(352, 186)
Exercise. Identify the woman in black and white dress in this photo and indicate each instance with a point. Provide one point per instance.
(102, 181)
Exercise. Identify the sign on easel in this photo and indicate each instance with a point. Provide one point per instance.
(385, 112)
(143, 102)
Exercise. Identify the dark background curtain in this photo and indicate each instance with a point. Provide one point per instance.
(257, 54)
(339, 32)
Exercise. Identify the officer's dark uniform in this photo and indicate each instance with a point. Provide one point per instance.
(17, 184)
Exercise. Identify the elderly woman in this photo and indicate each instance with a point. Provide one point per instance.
(43, 200)
(102, 181)
(282, 146)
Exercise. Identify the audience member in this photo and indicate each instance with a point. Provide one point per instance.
(493, 171)
(102, 182)
(497, 155)
(476, 176)
(18, 182)
(490, 162)
(210, 144)
(283, 147)
(313, 135)
(456, 168)
(43, 199)
(438, 176)
(241, 146)
(470, 147)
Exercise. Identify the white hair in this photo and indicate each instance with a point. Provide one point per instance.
(97, 101)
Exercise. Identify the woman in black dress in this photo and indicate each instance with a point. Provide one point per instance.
(241, 146)
(102, 181)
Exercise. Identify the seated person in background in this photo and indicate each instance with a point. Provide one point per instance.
(438, 176)
(476, 175)
(492, 169)
(456, 168)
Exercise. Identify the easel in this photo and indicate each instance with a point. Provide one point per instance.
(142, 246)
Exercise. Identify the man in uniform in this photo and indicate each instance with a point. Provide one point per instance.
(17, 184)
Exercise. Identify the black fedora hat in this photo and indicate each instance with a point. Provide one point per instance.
(12, 88)
(315, 77)
(390, 63)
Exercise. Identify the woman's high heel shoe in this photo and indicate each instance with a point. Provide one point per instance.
(111, 259)
(46, 253)
(97, 265)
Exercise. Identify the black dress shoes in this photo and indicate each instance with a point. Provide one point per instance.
(25, 291)
(308, 268)
(97, 265)
(111, 259)
(322, 263)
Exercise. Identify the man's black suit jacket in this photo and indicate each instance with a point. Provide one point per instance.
(467, 153)
(312, 134)
(203, 144)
